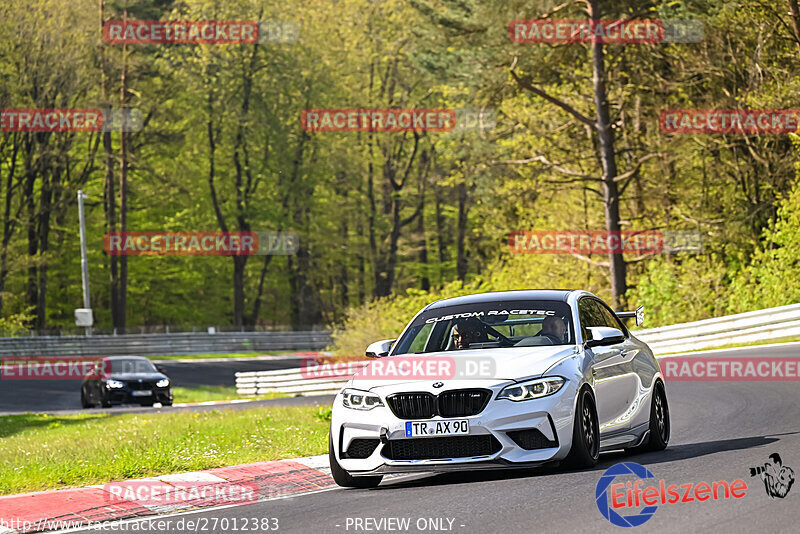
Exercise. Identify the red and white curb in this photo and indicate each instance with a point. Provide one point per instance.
(71, 508)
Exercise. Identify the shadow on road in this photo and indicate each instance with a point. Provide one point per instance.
(671, 454)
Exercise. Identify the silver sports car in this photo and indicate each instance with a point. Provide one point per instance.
(504, 379)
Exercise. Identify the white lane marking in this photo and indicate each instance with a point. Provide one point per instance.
(321, 462)
(192, 476)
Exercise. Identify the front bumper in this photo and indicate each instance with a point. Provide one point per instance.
(551, 416)
(126, 396)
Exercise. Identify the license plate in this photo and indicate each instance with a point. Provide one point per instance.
(453, 427)
(141, 393)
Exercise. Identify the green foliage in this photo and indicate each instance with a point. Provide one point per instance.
(771, 279)
(324, 414)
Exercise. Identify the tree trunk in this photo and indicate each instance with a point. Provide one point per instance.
(607, 158)
(425, 282)
(109, 195)
(123, 190)
(795, 12)
(8, 223)
(461, 252)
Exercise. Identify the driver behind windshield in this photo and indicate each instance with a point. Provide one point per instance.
(464, 333)
(553, 328)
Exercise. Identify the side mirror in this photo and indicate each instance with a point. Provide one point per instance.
(161, 369)
(604, 335)
(380, 348)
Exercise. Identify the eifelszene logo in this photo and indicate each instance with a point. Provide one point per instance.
(777, 478)
(613, 499)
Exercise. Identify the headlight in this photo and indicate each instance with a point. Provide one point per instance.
(360, 400)
(162, 383)
(533, 389)
(114, 384)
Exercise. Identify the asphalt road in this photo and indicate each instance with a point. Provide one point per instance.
(54, 396)
(719, 431)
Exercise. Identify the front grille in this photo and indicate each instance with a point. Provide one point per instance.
(531, 439)
(136, 385)
(439, 448)
(412, 405)
(361, 448)
(462, 402)
(456, 403)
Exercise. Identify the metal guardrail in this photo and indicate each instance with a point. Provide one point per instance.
(761, 325)
(292, 381)
(163, 344)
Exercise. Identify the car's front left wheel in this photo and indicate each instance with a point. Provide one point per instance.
(345, 479)
(84, 401)
(585, 449)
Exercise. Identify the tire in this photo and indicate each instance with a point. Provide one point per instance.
(658, 437)
(585, 450)
(84, 403)
(343, 478)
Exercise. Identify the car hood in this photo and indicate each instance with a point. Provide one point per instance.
(472, 367)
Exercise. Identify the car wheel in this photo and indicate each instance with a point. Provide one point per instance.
(343, 478)
(659, 422)
(84, 402)
(585, 449)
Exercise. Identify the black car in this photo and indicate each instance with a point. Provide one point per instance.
(126, 380)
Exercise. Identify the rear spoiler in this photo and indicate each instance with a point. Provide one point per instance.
(638, 315)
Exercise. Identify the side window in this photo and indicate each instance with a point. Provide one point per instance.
(422, 339)
(590, 315)
(610, 319)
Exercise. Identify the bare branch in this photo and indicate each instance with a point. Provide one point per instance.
(553, 100)
(591, 261)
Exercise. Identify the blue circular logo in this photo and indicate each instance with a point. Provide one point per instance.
(603, 500)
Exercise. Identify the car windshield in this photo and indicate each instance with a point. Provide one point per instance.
(132, 365)
(488, 325)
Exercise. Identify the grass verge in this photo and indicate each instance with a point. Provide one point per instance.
(215, 393)
(40, 452)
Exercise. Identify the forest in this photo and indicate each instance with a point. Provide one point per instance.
(565, 136)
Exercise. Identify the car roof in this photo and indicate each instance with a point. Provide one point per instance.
(509, 296)
(125, 358)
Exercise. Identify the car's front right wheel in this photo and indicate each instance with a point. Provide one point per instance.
(658, 436)
(345, 479)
